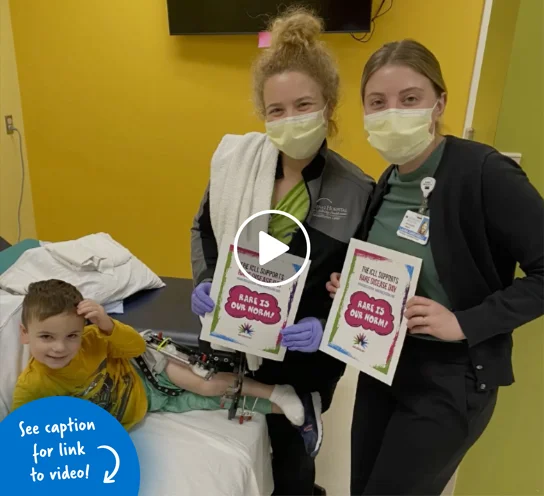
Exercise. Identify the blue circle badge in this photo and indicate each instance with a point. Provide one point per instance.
(66, 446)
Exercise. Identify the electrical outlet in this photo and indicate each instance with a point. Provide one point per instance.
(9, 124)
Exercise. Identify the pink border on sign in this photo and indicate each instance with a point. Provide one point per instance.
(367, 254)
(243, 251)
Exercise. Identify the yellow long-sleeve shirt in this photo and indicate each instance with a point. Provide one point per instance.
(101, 372)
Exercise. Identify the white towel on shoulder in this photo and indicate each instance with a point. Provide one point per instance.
(243, 172)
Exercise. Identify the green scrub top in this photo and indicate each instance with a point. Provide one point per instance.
(296, 202)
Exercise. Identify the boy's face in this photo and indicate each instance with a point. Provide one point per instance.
(54, 341)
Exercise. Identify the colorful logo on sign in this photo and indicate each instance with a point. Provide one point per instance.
(246, 330)
(360, 342)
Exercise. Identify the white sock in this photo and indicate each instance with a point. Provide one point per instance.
(287, 399)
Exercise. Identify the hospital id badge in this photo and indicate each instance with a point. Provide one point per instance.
(414, 227)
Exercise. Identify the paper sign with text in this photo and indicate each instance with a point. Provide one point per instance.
(366, 326)
(247, 316)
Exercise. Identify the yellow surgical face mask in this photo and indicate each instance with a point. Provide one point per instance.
(400, 135)
(299, 137)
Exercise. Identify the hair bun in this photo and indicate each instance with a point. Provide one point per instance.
(297, 27)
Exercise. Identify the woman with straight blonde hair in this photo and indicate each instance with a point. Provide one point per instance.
(482, 217)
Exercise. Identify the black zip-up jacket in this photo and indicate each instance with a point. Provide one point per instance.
(339, 194)
(486, 218)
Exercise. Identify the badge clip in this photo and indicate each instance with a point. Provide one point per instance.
(427, 187)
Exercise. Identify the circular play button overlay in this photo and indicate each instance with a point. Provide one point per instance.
(271, 249)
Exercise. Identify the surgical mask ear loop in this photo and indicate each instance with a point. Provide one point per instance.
(324, 109)
(435, 127)
(325, 118)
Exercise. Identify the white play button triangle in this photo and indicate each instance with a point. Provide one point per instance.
(270, 248)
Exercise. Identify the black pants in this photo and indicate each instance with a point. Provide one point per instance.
(293, 469)
(409, 438)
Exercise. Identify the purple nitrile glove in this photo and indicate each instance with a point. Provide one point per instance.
(201, 303)
(304, 336)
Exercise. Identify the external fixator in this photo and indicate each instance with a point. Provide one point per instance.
(234, 392)
(204, 365)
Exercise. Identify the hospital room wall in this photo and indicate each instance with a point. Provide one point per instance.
(509, 459)
(122, 119)
(11, 174)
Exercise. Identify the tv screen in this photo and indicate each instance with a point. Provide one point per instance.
(251, 16)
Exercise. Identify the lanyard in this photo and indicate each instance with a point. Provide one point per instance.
(427, 187)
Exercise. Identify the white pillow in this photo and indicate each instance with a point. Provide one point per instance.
(13, 355)
(95, 252)
(71, 261)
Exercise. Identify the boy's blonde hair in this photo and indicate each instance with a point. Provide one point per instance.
(46, 299)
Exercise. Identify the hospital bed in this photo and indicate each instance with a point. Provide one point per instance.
(167, 309)
(196, 452)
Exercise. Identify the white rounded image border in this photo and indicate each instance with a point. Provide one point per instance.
(306, 258)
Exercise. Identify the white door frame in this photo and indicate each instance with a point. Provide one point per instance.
(477, 70)
(468, 131)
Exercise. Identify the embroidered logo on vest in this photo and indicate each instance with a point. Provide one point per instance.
(324, 209)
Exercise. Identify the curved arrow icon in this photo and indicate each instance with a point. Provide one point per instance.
(109, 478)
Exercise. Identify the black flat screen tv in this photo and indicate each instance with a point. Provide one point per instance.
(187, 17)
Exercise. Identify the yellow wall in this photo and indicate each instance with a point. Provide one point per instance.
(10, 161)
(509, 459)
(122, 119)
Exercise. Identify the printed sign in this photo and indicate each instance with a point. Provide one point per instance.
(366, 328)
(247, 316)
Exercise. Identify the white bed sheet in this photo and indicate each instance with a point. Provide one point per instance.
(203, 453)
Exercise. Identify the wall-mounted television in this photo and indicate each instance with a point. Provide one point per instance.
(187, 17)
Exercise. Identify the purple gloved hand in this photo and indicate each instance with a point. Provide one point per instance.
(201, 303)
(304, 336)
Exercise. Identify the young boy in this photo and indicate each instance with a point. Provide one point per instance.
(97, 363)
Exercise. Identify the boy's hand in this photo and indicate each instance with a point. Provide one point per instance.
(94, 312)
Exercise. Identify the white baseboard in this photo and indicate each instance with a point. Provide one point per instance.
(514, 156)
(449, 490)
